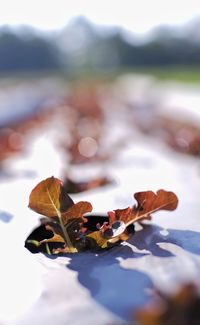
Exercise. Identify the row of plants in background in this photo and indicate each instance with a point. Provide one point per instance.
(181, 307)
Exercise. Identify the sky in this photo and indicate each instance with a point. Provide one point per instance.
(137, 16)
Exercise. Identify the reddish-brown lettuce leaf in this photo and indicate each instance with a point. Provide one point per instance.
(66, 225)
(49, 198)
(147, 203)
(102, 241)
(77, 210)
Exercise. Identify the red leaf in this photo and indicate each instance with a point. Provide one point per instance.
(147, 203)
(49, 198)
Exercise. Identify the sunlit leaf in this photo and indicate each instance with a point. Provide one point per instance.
(77, 210)
(97, 240)
(102, 241)
(69, 229)
(49, 198)
(147, 203)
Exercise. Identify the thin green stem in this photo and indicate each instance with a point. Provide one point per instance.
(66, 236)
(47, 249)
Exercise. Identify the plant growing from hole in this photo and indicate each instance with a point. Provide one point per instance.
(66, 229)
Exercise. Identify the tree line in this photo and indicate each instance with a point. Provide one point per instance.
(85, 46)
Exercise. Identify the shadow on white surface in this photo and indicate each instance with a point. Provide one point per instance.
(5, 216)
(117, 289)
(122, 289)
(151, 235)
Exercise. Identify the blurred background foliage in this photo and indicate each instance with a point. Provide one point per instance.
(85, 46)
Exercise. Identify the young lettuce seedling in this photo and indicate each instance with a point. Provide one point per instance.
(66, 224)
